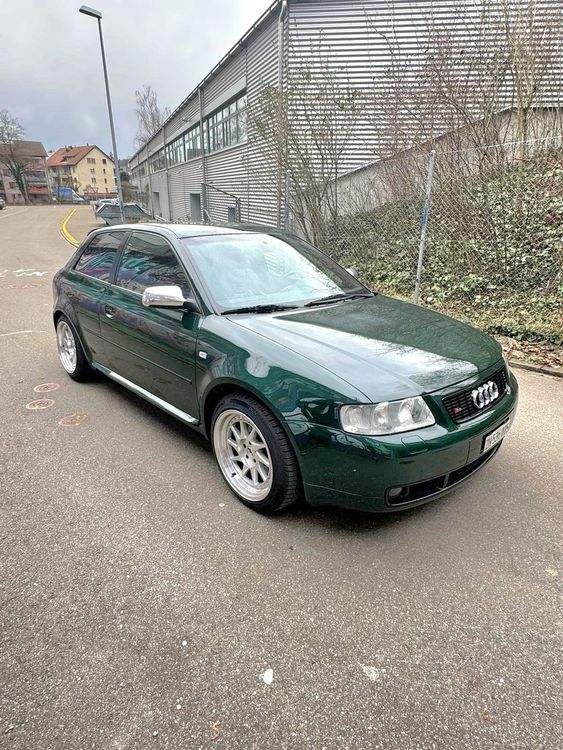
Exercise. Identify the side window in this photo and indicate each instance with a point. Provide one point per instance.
(98, 256)
(148, 260)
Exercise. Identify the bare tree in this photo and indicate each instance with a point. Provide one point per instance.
(11, 132)
(149, 115)
(481, 79)
(305, 132)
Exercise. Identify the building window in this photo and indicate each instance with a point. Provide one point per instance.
(175, 151)
(106, 180)
(156, 161)
(192, 140)
(104, 171)
(226, 126)
(94, 180)
(104, 161)
(90, 160)
(92, 171)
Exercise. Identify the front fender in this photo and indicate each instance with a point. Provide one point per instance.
(292, 386)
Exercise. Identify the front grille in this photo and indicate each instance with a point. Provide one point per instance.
(425, 490)
(460, 405)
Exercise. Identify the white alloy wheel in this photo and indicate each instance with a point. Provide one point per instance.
(66, 345)
(242, 454)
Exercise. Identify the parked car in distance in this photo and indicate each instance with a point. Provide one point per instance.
(106, 202)
(304, 380)
(111, 214)
(68, 195)
(2, 203)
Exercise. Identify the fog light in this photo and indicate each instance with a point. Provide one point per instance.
(395, 491)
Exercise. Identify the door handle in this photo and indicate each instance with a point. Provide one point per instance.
(109, 311)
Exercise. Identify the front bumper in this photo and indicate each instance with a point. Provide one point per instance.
(356, 471)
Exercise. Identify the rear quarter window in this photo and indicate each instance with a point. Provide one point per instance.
(98, 256)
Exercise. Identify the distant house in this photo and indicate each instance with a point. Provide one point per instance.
(88, 170)
(32, 155)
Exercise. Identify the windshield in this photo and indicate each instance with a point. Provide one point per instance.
(246, 270)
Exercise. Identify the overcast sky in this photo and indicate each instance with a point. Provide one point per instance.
(51, 73)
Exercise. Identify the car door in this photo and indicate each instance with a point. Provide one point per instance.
(86, 283)
(154, 348)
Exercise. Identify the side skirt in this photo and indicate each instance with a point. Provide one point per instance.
(150, 397)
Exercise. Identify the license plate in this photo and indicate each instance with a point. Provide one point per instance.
(494, 437)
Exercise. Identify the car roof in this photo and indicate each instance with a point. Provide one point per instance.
(195, 230)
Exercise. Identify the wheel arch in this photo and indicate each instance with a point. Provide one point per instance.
(227, 387)
(57, 315)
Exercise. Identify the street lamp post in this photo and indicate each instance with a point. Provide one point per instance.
(96, 14)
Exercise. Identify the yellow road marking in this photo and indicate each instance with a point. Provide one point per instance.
(65, 233)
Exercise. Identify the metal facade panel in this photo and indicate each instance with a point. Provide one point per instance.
(226, 170)
(156, 142)
(352, 38)
(158, 185)
(228, 92)
(225, 83)
(184, 179)
(183, 119)
(262, 70)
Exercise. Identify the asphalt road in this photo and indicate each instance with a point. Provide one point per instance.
(141, 606)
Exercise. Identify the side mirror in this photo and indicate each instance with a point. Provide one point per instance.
(167, 296)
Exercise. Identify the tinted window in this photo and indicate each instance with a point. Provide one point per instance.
(97, 259)
(148, 260)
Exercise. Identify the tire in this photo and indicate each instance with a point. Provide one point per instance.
(260, 467)
(71, 353)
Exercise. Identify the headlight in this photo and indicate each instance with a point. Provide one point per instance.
(387, 417)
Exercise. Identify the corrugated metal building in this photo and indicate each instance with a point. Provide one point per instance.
(206, 163)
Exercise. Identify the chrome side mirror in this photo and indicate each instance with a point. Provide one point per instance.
(167, 296)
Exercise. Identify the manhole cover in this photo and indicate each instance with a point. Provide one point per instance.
(73, 420)
(46, 387)
(40, 403)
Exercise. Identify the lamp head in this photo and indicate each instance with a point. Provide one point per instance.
(89, 11)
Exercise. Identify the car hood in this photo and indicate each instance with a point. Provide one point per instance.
(385, 348)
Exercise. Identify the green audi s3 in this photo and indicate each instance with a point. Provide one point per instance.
(306, 382)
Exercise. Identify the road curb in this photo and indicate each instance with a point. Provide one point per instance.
(556, 372)
(65, 233)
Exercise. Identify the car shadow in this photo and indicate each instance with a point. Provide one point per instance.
(346, 520)
(166, 421)
(333, 518)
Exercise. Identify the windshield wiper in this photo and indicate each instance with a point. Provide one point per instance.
(337, 298)
(259, 309)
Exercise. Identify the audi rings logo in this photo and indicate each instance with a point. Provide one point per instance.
(485, 394)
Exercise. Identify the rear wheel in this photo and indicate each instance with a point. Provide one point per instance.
(254, 454)
(71, 352)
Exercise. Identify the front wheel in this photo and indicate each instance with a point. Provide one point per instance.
(254, 454)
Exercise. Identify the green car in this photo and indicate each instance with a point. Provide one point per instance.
(306, 382)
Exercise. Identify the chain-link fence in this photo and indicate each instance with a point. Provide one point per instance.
(493, 247)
